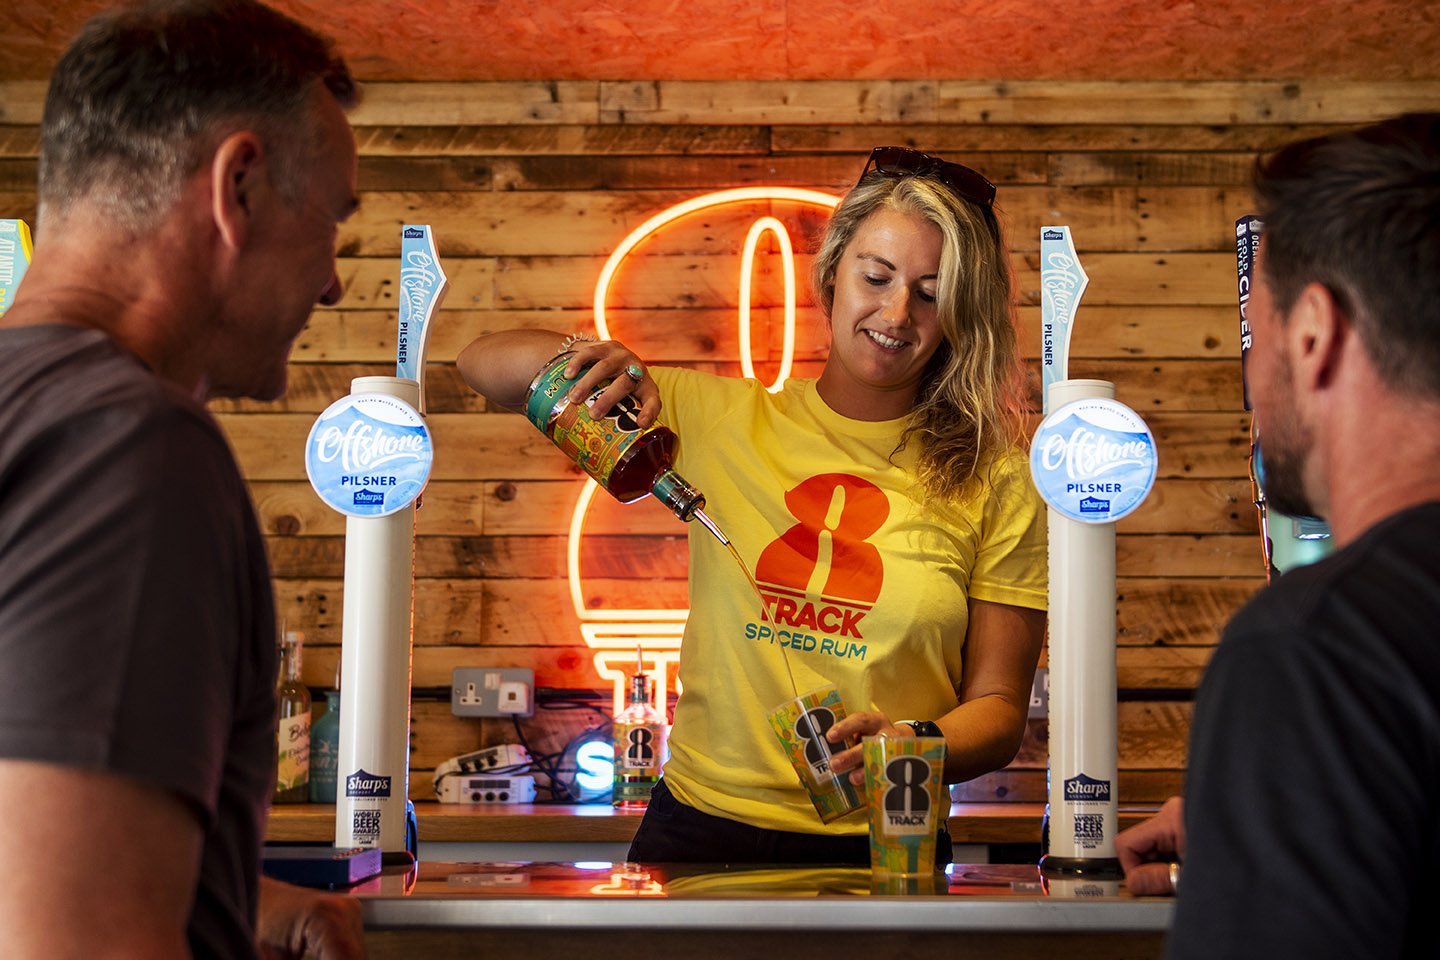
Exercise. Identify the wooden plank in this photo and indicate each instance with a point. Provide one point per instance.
(834, 173)
(781, 101)
(957, 141)
(1150, 386)
(504, 446)
(446, 611)
(1158, 667)
(963, 136)
(1153, 735)
(1187, 555)
(1153, 610)
(293, 509)
(1105, 331)
(16, 176)
(1130, 102)
(312, 387)
(592, 221)
(1152, 168)
(496, 102)
(372, 281)
(854, 102)
(19, 205)
(420, 174)
(22, 101)
(418, 140)
(20, 143)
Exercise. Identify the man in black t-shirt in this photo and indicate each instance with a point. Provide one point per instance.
(195, 160)
(1311, 822)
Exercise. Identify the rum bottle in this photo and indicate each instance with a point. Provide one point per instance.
(639, 747)
(627, 461)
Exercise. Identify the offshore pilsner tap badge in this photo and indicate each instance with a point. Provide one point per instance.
(1093, 460)
(369, 455)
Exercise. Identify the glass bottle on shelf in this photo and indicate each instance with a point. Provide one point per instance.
(325, 747)
(640, 733)
(292, 734)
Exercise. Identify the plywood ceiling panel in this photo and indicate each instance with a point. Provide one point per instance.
(456, 40)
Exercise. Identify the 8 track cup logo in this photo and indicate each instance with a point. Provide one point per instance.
(810, 728)
(907, 807)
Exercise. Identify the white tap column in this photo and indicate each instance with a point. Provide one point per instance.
(1083, 742)
(376, 623)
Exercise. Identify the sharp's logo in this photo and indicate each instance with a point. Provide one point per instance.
(1082, 788)
(1052, 235)
(413, 233)
(1094, 505)
(369, 498)
(362, 784)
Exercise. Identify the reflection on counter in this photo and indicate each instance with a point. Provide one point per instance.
(605, 879)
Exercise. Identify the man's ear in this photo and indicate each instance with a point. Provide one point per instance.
(236, 179)
(1319, 331)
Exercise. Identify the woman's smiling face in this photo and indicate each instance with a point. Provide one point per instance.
(884, 323)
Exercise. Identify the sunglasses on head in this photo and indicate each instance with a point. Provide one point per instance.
(904, 162)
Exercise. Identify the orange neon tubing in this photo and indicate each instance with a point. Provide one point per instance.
(653, 622)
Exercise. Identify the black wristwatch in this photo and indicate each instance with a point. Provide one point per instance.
(924, 728)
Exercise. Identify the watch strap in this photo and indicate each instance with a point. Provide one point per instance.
(924, 728)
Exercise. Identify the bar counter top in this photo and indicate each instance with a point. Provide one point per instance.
(602, 910)
(970, 823)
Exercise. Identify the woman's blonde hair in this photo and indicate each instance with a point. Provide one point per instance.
(970, 403)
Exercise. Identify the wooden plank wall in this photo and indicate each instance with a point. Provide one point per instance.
(530, 186)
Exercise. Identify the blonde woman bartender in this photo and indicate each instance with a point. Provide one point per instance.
(885, 507)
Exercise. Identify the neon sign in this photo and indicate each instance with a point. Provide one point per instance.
(614, 634)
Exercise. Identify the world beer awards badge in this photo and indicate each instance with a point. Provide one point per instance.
(1093, 460)
(369, 455)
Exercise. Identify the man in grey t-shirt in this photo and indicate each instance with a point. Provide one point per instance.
(195, 160)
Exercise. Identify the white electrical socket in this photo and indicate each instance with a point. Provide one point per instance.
(515, 697)
(492, 692)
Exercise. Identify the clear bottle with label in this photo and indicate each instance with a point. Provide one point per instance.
(292, 734)
(640, 732)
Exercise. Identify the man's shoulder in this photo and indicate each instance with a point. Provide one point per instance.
(52, 374)
(1381, 592)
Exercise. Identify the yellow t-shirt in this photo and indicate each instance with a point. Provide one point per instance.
(864, 589)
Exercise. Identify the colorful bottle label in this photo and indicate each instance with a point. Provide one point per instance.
(293, 739)
(595, 445)
(15, 253)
